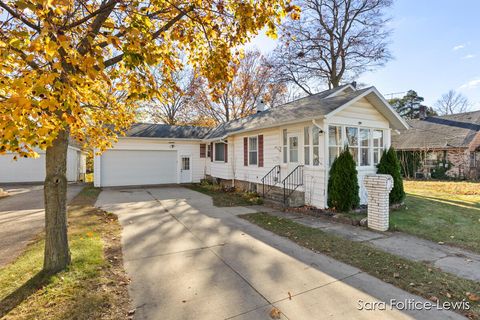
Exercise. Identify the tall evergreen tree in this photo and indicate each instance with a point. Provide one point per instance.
(409, 105)
(343, 183)
(389, 164)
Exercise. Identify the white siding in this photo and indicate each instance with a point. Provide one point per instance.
(33, 169)
(362, 113)
(191, 148)
(221, 169)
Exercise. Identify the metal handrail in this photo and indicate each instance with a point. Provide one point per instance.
(294, 179)
(271, 179)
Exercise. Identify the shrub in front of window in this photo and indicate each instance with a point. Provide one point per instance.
(343, 183)
(389, 164)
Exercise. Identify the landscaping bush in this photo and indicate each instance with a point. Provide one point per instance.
(389, 164)
(343, 183)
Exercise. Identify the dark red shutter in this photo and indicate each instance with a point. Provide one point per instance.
(245, 151)
(203, 150)
(211, 151)
(260, 150)
(226, 152)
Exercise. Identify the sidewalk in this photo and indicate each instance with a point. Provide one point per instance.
(450, 259)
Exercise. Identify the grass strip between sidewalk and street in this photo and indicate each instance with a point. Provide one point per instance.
(415, 277)
(94, 286)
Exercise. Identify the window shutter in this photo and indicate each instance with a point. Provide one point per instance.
(203, 150)
(211, 151)
(226, 152)
(245, 151)
(260, 150)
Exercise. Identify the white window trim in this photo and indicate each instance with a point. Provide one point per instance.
(309, 145)
(284, 146)
(344, 142)
(248, 151)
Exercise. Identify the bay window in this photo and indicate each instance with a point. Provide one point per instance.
(253, 150)
(293, 148)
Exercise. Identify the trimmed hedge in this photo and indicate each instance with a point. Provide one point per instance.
(343, 183)
(389, 164)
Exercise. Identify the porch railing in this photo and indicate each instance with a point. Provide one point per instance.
(270, 179)
(291, 182)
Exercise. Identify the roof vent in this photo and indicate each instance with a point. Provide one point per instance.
(261, 106)
(354, 84)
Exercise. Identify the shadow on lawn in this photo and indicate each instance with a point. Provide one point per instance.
(22, 293)
(455, 203)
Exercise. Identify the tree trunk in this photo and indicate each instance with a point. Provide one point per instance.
(57, 253)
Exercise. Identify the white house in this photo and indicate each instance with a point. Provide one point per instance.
(290, 147)
(26, 170)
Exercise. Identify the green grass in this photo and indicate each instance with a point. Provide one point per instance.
(223, 198)
(415, 277)
(88, 289)
(441, 211)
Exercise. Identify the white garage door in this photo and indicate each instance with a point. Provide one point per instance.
(22, 170)
(138, 167)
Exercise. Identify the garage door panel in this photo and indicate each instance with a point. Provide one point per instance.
(22, 170)
(138, 167)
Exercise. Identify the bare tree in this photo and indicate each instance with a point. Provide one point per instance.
(171, 105)
(452, 102)
(254, 81)
(334, 41)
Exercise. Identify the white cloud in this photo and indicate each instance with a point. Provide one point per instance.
(472, 84)
(460, 46)
(469, 56)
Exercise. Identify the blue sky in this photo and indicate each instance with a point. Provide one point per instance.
(436, 47)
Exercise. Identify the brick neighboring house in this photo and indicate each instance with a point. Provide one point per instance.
(452, 141)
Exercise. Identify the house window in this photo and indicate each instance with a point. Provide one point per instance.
(306, 145)
(209, 151)
(335, 143)
(253, 150)
(365, 147)
(352, 142)
(285, 149)
(315, 143)
(220, 151)
(377, 137)
(293, 148)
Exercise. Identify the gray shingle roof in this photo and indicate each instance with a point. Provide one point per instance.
(150, 130)
(305, 108)
(440, 132)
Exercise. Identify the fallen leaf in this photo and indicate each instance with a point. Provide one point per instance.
(396, 275)
(289, 295)
(130, 312)
(433, 298)
(473, 297)
(275, 313)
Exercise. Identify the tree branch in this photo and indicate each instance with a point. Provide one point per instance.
(19, 17)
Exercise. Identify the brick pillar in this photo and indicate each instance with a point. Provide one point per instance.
(378, 189)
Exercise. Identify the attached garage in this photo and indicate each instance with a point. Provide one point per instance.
(138, 167)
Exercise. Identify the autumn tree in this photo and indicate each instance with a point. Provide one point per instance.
(253, 82)
(74, 69)
(334, 41)
(452, 102)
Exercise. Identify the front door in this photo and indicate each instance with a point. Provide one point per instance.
(185, 170)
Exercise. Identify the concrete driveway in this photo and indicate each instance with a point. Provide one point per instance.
(22, 217)
(190, 260)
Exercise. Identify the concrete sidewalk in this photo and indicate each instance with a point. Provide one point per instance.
(191, 260)
(462, 263)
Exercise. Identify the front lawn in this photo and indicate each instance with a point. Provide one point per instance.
(414, 277)
(93, 287)
(222, 198)
(442, 211)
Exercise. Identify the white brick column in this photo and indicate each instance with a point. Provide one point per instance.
(378, 189)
